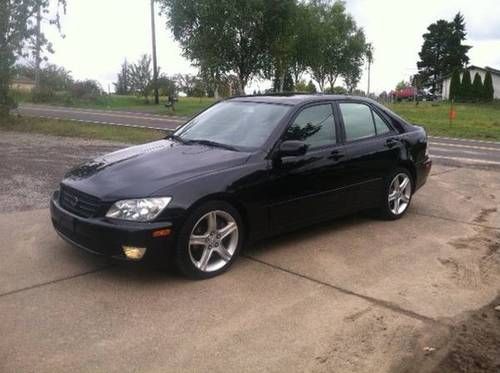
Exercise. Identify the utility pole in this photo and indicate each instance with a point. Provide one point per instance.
(38, 46)
(369, 57)
(155, 62)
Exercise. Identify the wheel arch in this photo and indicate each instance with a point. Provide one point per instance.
(413, 172)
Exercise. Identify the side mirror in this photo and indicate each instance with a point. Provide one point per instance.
(292, 148)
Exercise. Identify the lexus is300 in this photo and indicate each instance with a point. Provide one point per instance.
(244, 169)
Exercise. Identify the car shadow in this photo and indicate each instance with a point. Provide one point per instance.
(150, 273)
(308, 232)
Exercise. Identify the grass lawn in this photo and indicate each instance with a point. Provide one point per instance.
(474, 121)
(186, 106)
(81, 130)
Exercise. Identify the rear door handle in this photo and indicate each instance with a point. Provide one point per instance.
(336, 155)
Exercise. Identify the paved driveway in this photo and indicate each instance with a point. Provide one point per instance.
(351, 295)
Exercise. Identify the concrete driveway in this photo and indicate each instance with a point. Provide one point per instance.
(352, 295)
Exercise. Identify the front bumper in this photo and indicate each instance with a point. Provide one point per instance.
(105, 237)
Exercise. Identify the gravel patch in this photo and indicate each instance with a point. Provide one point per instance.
(32, 165)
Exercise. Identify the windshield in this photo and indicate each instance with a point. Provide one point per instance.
(238, 124)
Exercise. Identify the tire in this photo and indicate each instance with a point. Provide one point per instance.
(396, 199)
(205, 250)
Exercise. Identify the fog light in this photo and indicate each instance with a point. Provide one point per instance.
(134, 253)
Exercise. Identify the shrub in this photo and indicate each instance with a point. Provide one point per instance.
(42, 94)
(477, 88)
(488, 91)
(311, 87)
(466, 87)
(337, 90)
(86, 90)
(455, 85)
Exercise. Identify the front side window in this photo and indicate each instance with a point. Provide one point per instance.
(240, 124)
(314, 125)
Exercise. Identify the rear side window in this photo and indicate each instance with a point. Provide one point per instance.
(314, 125)
(358, 121)
(361, 122)
(380, 124)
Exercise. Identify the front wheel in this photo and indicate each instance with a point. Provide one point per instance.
(397, 194)
(210, 240)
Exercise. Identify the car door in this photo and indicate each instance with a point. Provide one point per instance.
(309, 187)
(372, 147)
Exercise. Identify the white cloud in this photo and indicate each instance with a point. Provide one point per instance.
(100, 34)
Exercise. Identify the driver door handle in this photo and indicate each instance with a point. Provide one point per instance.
(336, 154)
(391, 142)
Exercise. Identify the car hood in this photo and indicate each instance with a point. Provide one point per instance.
(141, 170)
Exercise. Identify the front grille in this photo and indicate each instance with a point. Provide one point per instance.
(78, 203)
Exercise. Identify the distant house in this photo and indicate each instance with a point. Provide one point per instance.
(495, 75)
(22, 84)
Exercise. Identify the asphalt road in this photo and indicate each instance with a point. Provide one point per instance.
(447, 151)
(355, 294)
(112, 117)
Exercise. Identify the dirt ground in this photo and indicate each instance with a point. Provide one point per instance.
(470, 343)
(32, 166)
(352, 295)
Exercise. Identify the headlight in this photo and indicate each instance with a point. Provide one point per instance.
(144, 209)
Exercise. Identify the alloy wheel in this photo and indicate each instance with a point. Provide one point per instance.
(213, 241)
(399, 193)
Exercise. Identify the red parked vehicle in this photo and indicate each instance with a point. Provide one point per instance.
(408, 93)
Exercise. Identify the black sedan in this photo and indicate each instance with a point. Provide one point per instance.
(245, 168)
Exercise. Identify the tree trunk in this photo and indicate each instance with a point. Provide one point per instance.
(321, 83)
(5, 72)
(282, 81)
(242, 84)
(332, 79)
(216, 91)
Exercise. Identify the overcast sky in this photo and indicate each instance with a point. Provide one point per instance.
(99, 34)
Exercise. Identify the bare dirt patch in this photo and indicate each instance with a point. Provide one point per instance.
(471, 345)
(32, 165)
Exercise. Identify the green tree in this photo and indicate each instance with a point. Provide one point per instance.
(488, 90)
(338, 45)
(279, 17)
(18, 31)
(402, 85)
(141, 77)
(225, 35)
(353, 60)
(442, 50)
(122, 85)
(477, 88)
(455, 87)
(283, 86)
(466, 86)
(166, 86)
(302, 47)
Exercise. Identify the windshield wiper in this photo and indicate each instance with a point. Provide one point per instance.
(211, 143)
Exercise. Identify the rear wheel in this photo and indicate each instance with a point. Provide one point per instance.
(209, 241)
(397, 194)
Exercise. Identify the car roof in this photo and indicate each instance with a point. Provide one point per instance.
(294, 99)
